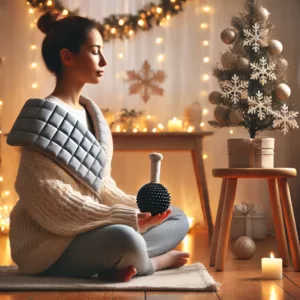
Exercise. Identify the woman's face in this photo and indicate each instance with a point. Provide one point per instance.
(88, 65)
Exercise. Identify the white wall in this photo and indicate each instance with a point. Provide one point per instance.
(184, 67)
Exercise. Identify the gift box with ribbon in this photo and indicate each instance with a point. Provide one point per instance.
(248, 220)
(251, 153)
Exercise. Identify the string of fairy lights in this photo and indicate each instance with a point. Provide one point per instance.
(120, 26)
(5, 208)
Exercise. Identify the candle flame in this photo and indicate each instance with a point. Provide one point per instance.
(272, 255)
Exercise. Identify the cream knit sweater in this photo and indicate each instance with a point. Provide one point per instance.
(55, 206)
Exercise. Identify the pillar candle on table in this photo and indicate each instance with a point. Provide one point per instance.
(175, 125)
(271, 267)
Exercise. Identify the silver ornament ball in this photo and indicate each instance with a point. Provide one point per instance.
(228, 60)
(282, 92)
(228, 36)
(235, 117)
(275, 47)
(242, 63)
(214, 97)
(262, 13)
(220, 114)
(244, 248)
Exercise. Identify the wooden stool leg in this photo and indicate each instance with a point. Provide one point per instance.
(289, 221)
(278, 221)
(214, 243)
(225, 223)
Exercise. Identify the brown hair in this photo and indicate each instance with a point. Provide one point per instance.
(69, 32)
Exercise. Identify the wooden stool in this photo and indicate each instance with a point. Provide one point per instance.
(226, 203)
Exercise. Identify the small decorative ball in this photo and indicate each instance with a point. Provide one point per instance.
(220, 114)
(282, 92)
(242, 63)
(214, 97)
(235, 117)
(228, 36)
(153, 198)
(228, 60)
(275, 47)
(244, 247)
(262, 13)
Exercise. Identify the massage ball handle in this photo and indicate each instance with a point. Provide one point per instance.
(155, 166)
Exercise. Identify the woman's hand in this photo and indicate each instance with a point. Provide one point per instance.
(146, 221)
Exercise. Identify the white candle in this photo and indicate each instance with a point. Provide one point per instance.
(271, 267)
(175, 125)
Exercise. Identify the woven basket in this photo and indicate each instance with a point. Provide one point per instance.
(251, 153)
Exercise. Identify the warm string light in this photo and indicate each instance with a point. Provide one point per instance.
(204, 13)
(5, 209)
(34, 65)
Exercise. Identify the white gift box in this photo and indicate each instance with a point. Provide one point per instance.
(248, 221)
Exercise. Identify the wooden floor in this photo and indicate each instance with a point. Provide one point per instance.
(240, 280)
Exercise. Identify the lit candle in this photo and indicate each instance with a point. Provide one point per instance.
(175, 125)
(150, 122)
(271, 267)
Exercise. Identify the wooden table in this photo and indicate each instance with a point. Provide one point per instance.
(172, 141)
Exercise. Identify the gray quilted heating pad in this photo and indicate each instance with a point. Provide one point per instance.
(48, 127)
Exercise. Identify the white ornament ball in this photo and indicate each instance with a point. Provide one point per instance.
(275, 47)
(214, 97)
(262, 13)
(228, 60)
(235, 117)
(220, 114)
(228, 36)
(282, 92)
(244, 248)
(242, 63)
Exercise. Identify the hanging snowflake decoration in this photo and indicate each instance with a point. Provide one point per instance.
(260, 105)
(234, 89)
(146, 82)
(254, 37)
(263, 71)
(285, 119)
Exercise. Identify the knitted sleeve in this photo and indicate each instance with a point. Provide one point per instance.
(61, 209)
(111, 194)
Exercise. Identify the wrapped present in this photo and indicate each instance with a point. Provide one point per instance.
(251, 153)
(248, 220)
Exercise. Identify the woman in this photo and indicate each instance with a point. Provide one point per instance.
(71, 218)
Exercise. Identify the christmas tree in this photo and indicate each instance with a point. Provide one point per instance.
(252, 77)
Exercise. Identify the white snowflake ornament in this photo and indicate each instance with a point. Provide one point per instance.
(260, 105)
(254, 37)
(285, 119)
(234, 89)
(263, 71)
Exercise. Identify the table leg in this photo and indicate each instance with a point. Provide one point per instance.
(278, 221)
(201, 183)
(215, 238)
(289, 218)
(225, 223)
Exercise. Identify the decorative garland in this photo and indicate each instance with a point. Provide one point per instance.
(122, 25)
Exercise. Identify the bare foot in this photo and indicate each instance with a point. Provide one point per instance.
(169, 260)
(123, 275)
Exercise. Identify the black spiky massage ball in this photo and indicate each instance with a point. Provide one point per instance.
(153, 197)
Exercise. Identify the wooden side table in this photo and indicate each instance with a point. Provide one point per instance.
(281, 209)
(172, 141)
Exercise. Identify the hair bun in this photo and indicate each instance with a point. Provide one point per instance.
(47, 20)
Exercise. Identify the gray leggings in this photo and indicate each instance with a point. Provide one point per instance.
(119, 246)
